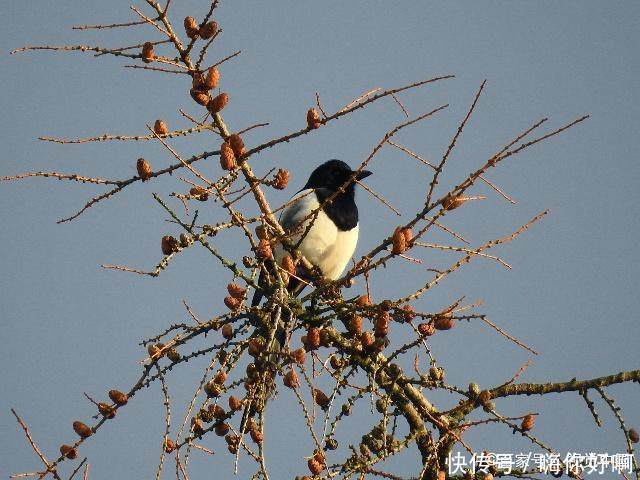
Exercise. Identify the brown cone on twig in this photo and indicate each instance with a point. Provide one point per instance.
(232, 303)
(222, 429)
(82, 429)
(199, 193)
(69, 452)
(200, 96)
(263, 251)
(398, 241)
(237, 145)
(256, 435)
(227, 331)
(291, 379)
(208, 30)
(299, 356)
(217, 103)
(281, 179)
(236, 291)
(169, 245)
(118, 397)
(160, 127)
(147, 52)
(313, 338)
(453, 202)
(427, 329)
(382, 324)
(527, 423)
(212, 78)
(313, 119)
(367, 339)
(169, 445)
(355, 325)
(315, 467)
(363, 301)
(144, 169)
(235, 403)
(227, 157)
(106, 410)
(444, 321)
(155, 350)
(321, 398)
(191, 28)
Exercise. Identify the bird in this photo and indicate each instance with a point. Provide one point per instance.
(329, 238)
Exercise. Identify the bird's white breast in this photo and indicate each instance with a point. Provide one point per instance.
(324, 245)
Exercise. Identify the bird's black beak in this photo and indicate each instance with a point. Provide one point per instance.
(363, 174)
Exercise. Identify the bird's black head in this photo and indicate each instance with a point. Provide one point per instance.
(332, 175)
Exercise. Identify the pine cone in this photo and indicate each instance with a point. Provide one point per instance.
(208, 30)
(237, 144)
(144, 169)
(227, 331)
(69, 452)
(235, 403)
(444, 321)
(408, 236)
(169, 445)
(232, 303)
(363, 301)
(217, 411)
(118, 397)
(217, 103)
(199, 193)
(427, 329)
(299, 356)
(291, 379)
(281, 179)
(367, 339)
(201, 97)
(227, 157)
(155, 350)
(406, 314)
(355, 325)
(160, 127)
(321, 398)
(399, 242)
(236, 291)
(212, 389)
(313, 119)
(256, 435)
(106, 410)
(436, 374)
(81, 429)
(173, 355)
(191, 28)
(382, 324)
(222, 429)
(212, 78)
(220, 377)
(263, 251)
(315, 467)
(289, 265)
(527, 423)
(147, 52)
(313, 338)
(169, 245)
(451, 203)
(256, 347)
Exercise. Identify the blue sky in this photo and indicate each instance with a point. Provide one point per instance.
(71, 327)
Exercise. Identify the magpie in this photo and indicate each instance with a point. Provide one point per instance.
(327, 239)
